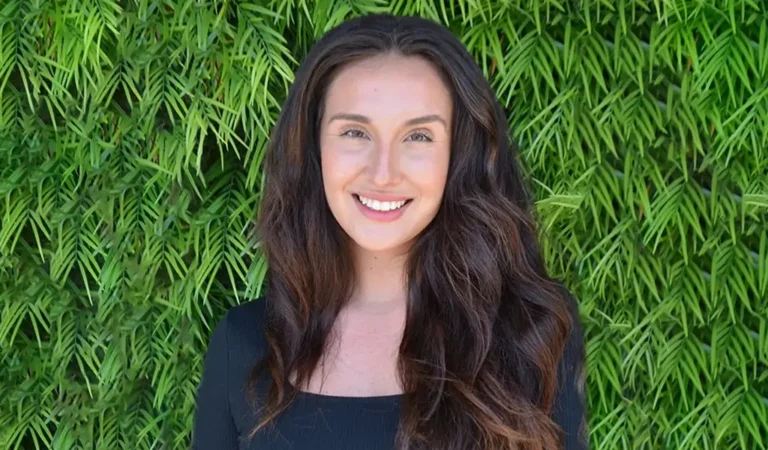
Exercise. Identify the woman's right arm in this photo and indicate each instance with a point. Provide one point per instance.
(214, 428)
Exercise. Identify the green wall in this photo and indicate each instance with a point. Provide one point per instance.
(131, 138)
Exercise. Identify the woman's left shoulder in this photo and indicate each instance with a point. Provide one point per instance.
(570, 409)
(573, 358)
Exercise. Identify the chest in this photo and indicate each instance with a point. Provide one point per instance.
(357, 408)
(360, 361)
(318, 422)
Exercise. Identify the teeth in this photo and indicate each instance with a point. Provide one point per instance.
(380, 206)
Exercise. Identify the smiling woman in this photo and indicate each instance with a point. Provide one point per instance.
(408, 305)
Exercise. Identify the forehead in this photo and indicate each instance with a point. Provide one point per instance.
(388, 84)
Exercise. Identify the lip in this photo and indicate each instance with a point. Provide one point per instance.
(381, 216)
(382, 197)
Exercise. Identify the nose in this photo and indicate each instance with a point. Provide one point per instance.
(384, 166)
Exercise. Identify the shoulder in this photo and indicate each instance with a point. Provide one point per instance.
(574, 351)
(570, 409)
(243, 326)
(573, 358)
(236, 344)
(246, 318)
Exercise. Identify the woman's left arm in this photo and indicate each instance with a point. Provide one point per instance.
(570, 409)
(214, 428)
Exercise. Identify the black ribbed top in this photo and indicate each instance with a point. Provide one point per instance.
(224, 417)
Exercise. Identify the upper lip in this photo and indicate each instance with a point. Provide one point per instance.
(382, 197)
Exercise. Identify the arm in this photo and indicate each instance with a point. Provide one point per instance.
(570, 409)
(214, 428)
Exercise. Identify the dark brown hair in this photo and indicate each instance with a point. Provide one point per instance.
(485, 327)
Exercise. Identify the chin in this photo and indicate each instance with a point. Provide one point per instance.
(377, 244)
(378, 247)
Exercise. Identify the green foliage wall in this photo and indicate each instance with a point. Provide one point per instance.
(131, 138)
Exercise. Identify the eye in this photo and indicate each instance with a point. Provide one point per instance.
(354, 133)
(420, 137)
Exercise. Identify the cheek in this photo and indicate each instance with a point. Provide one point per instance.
(339, 166)
(428, 171)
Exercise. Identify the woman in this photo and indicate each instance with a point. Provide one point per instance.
(408, 305)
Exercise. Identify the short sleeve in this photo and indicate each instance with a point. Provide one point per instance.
(214, 427)
(570, 408)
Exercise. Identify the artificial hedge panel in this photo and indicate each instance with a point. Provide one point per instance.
(131, 139)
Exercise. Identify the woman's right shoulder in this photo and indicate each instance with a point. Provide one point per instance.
(244, 326)
(247, 315)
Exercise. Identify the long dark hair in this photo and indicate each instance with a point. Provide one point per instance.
(485, 326)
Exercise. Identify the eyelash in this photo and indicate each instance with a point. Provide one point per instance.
(426, 135)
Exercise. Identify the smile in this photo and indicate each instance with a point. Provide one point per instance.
(379, 205)
(381, 211)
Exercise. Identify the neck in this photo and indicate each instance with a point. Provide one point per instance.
(380, 280)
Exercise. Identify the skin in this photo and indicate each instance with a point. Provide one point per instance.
(369, 144)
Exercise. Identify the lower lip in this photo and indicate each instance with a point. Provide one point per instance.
(381, 216)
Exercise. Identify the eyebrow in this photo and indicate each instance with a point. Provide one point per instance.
(415, 121)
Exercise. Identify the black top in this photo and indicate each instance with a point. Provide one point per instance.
(223, 417)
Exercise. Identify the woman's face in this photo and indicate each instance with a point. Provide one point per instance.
(385, 143)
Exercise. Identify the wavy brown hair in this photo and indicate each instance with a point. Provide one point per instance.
(485, 325)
